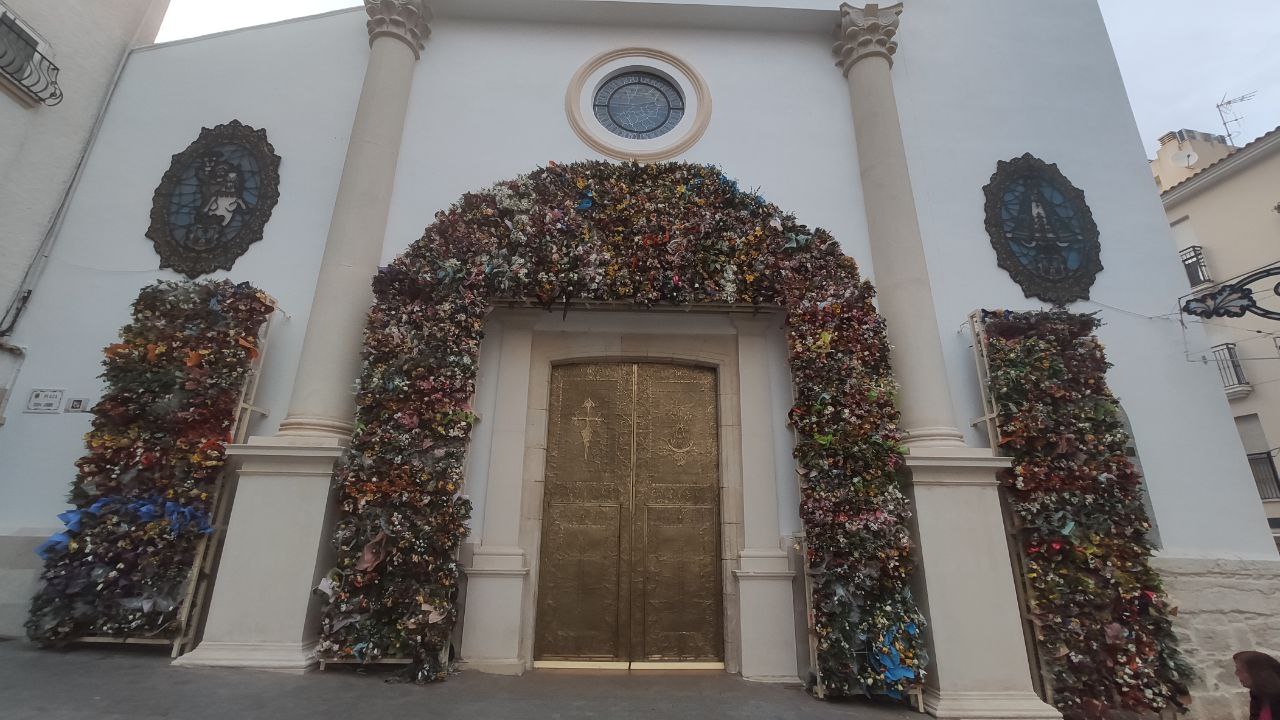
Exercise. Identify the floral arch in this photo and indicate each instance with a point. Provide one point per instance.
(670, 233)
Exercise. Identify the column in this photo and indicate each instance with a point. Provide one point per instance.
(765, 576)
(263, 613)
(979, 667)
(496, 576)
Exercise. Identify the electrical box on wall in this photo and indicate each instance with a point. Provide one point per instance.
(78, 405)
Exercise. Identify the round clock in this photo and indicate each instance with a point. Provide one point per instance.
(639, 105)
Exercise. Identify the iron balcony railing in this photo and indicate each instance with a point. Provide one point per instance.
(1229, 367)
(1193, 262)
(1264, 473)
(24, 64)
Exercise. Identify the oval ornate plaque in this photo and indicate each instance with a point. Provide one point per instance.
(1042, 230)
(215, 199)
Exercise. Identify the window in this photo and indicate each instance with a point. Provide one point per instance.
(1229, 367)
(1193, 263)
(25, 68)
(1264, 473)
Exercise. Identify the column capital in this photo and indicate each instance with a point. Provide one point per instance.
(866, 32)
(405, 20)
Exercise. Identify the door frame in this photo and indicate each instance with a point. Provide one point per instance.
(716, 351)
(762, 598)
(634, 551)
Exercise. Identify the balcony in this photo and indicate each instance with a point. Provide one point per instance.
(1231, 372)
(1193, 262)
(1264, 473)
(24, 67)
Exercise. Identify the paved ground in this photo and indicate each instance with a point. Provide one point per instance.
(124, 684)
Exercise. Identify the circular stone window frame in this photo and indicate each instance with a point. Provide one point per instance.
(580, 104)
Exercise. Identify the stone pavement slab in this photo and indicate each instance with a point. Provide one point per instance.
(132, 684)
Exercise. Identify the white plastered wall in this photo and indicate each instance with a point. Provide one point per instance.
(980, 84)
(101, 257)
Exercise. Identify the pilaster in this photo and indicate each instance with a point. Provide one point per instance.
(980, 667)
(865, 49)
(263, 612)
(499, 569)
(322, 403)
(765, 577)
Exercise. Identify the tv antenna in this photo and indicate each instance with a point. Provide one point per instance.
(1227, 111)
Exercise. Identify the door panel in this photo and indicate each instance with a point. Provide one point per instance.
(630, 565)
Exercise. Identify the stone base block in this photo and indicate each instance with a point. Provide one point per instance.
(263, 656)
(988, 706)
(492, 625)
(19, 580)
(496, 667)
(767, 609)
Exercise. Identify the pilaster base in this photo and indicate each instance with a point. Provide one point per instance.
(980, 669)
(296, 657)
(988, 706)
(766, 601)
(496, 667)
(491, 626)
(263, 612)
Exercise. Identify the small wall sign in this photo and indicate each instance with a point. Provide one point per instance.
(45, 400)
(78, 405)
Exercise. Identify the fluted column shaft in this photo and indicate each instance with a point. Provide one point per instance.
(322, 403)
(865, 52)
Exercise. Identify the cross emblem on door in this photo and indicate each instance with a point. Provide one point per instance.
(585, 421)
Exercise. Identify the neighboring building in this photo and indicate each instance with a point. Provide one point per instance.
(1183, 154)
(890, 152)
(1224, 211)
(58, 63)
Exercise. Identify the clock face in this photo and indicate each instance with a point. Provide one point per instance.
(639, 105)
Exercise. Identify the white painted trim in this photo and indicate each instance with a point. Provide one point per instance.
(677, 666)
(580, 665)
(249, 28)
(266, 656)
(988, 706)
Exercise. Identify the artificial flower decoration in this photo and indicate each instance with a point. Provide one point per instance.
(1102, 620)
(672, 234)
(142, 496)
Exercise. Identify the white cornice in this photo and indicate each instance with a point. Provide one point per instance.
(806, 16)
(761, 15)
(1222, 169)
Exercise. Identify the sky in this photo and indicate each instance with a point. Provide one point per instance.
(1179, 58)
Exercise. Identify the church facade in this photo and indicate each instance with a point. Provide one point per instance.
(633, 490)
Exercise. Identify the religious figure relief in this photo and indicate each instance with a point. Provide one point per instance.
(215, 199)
(222, 193)
(1042, 230)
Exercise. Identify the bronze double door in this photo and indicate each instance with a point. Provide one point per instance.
(630, 566)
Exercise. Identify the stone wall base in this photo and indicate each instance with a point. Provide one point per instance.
(19, 579)
(1224, 606)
